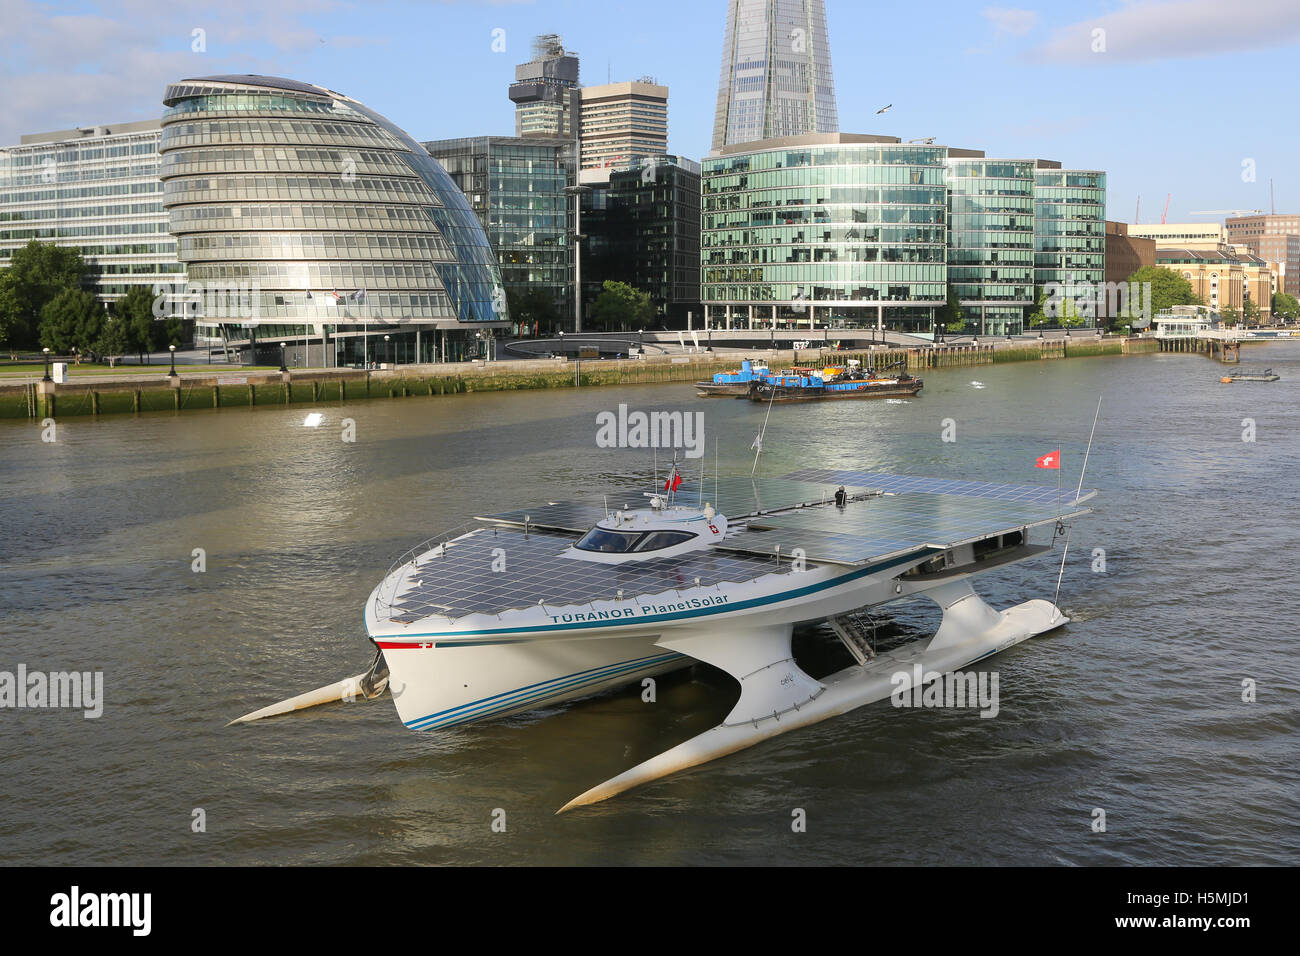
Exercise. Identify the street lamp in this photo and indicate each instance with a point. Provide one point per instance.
(283, 367)
(47, 366)
(387, 349)
(576, 192)
(172, 373)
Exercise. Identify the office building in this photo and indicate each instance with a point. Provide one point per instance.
(776, 78)
(545, 92)
(642, 227)
(1275, 238)
(824, 230)
(95, 189)
(515, 185)
(337, 222)
(1070, 232)
(623, 123)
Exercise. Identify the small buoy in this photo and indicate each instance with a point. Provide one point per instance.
(1226, 379)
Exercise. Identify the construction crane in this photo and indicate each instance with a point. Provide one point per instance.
(1165, 214)
(1137, 213)
(1225, 212)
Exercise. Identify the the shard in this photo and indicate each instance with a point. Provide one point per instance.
(776, 72)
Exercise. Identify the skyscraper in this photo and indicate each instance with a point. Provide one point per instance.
(545, 91)
(776, 72)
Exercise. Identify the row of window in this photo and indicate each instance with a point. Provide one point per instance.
(843, 272)
(826, 176)
(785, 292)
(821, 215)
(780, 254)
(873, 155)
(61, 194)
(336, 162)
(313, 245)
(255, 132)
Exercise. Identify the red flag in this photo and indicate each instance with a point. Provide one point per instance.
(1051, 460)
(674, 481)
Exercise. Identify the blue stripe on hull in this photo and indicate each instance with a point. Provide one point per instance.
(535, 693)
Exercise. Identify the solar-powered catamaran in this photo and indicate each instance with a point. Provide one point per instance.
(531, 607)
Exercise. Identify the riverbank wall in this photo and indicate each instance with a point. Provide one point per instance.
(119, 394)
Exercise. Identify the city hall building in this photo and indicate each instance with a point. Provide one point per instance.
(332, 223)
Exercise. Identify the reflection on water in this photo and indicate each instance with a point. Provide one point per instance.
(1134, 707)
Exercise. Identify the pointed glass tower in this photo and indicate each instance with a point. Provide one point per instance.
(776, 72)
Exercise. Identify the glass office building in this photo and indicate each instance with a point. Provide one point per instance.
(1070, 231)
(776, 75)
(337, 221)
(991, 241)
(838, 230)
(515, 185)
(95, 189)
(643, 228)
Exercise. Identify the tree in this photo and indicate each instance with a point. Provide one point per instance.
(143, 334)
(1168, 288)
(951, 317)
(1250, 312)
(620, 306)
(37, 273)
(533, 309)
(71, 320)
(114, 337)
(1229, 315)
(1285, 306)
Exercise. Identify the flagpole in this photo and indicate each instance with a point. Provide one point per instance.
(753, 470)
(1088, 451)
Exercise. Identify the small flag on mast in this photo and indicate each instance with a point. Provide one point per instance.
(674, 481)
(1051, 460)
(758, 442)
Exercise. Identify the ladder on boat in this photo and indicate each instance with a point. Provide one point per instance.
(857, 632)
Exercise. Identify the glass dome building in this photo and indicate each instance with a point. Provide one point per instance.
(326, 221)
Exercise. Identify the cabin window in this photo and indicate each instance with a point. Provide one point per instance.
(609, 542)
(658, 540)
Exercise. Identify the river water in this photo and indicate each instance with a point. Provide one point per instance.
(1135, 708)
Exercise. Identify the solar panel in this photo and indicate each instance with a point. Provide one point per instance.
(561, 515)
(895, 524)
(737, 497)
(821, 547)
(898, 484)
(466, 581)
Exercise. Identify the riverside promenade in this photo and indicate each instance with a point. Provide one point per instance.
(118, 393)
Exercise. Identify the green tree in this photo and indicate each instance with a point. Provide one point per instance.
(1250, 312)
(620, 307)
(143, 333)
(1168, 288)
(114, 337)
(37, 273)
(1287, 305)
(71, 320)
(1229, 315)
(534, 309)
(951, 317)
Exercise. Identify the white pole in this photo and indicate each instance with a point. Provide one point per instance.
(1089, 449)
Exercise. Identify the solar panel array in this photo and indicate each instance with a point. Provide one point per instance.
(896, 524)
(464, 582)
(898, 484)
(734, 497)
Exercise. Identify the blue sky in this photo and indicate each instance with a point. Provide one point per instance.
(1188, 97)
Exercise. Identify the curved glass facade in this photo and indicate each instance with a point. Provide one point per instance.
(991, 241)
(846, 234)
(332, 215)
(1070, 229)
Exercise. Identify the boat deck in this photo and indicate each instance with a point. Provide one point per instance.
(461, 581)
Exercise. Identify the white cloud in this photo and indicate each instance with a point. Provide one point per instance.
(1010, 20)
(111, 64)
(1145, 31)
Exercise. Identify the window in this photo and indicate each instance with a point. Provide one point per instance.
(658, 540)
(609, 542)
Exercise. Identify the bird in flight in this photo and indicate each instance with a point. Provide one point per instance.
(884, 109)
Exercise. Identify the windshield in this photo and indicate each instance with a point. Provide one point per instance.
(609, 542)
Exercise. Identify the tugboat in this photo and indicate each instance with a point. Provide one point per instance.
(848, 381)
(1268, 375)
(735, 384)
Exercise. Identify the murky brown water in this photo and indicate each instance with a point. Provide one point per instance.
(1135, 707)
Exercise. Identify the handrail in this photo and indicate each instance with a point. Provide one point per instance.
(385, 605)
